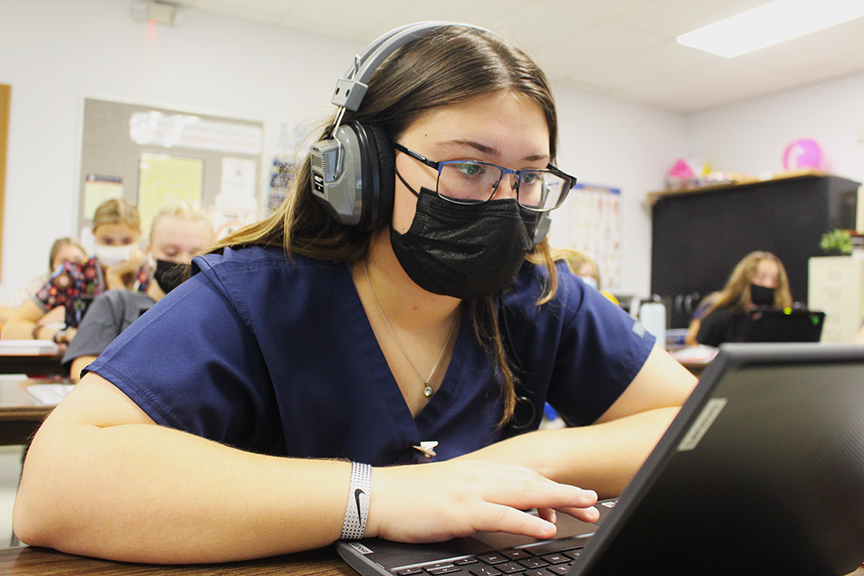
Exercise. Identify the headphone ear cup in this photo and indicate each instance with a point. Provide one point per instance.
(385, 187)
(376, 159)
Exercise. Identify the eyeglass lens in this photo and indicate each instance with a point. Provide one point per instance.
(475, 182)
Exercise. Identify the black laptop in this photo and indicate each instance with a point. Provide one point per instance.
(762, 472)
(788, 325)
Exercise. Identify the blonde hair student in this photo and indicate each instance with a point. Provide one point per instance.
(384, 316)
(759, 280)
(177, 233)
(583, 266)
(118, 263)
(63, 250)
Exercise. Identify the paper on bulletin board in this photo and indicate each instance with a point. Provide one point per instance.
(597, 228)
(237, 189)
(164, 180)
(98, 189)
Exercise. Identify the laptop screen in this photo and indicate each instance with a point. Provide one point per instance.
(761, 473)
(783, 326)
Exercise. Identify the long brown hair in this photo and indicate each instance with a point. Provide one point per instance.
(736, 295)
(449, 66)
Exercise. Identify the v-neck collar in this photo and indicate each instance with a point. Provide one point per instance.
(386, 385)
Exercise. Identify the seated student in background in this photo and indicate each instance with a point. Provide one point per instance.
(303, 352)
(696, 320)
(62, 251)
(583, 266)
(758, 281)
(117, 264)
(177, 233)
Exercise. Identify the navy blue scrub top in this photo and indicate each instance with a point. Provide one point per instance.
(276, 355)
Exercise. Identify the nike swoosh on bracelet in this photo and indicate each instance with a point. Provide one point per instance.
(357, 494)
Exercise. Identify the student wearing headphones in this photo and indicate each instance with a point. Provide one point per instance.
(384, 316)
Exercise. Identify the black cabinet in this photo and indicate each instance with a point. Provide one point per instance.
(698, 236)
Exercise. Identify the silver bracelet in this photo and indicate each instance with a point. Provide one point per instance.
(357, 510)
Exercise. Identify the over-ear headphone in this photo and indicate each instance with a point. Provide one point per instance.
(353, 168)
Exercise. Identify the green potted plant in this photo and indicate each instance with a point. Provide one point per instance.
(836, 242)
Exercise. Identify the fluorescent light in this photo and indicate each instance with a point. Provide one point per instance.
(771, 24)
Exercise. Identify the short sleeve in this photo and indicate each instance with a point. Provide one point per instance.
(191, 363)
(579, 351)
(26, 293)
(714, 329)
(103, 323)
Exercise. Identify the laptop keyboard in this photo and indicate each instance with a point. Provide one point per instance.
(552, 558)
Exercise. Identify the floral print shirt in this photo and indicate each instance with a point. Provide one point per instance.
(74, 286)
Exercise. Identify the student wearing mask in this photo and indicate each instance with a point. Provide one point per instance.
(177, 233)
(117, 264)
(62, 251)
(286, 390)
(758, 281)
(583, 266)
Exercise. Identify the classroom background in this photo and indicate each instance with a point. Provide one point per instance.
(57, 52)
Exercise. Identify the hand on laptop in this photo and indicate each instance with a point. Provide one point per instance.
(442, 500)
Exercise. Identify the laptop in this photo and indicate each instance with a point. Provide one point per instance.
(786, 325)
(761, 472)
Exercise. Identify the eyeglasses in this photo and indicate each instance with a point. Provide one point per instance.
(475, 182)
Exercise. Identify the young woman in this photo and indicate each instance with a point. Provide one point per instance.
(177, 233)
(237, 417)
(117, 264)
(758, 281)
(583, 266)
(64, 250)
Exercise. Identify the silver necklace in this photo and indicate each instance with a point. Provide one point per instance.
(427, 388)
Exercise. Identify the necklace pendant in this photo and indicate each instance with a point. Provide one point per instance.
(427, 391)
(427, 448)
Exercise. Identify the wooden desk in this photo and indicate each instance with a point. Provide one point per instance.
(20, 413)
(27, 561)
(696, 367)
(38, 365)
(43, 562)
(694, 358)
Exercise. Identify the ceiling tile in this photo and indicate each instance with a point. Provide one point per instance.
(490, 14)
(602, 8)
(270, 11)
(653, 64)
(671, 18)
(624, 48)
(815, 49)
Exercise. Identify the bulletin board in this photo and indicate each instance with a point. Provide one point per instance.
(5, 99)
(597, 228)
(152, 156)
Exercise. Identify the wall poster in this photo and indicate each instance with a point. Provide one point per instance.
(597, 228)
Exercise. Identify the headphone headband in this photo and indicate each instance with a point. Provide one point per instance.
(351, 88)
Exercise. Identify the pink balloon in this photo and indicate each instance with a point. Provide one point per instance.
(802, 153)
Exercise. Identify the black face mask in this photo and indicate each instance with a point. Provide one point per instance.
(761, 296)
(168, 275)
(464, 251)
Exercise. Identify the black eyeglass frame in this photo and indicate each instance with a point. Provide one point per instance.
(570, 181)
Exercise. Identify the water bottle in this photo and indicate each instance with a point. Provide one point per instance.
(652, 315)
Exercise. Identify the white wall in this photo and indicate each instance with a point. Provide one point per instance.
(623, 145)
(751, 136)
(55, 52)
